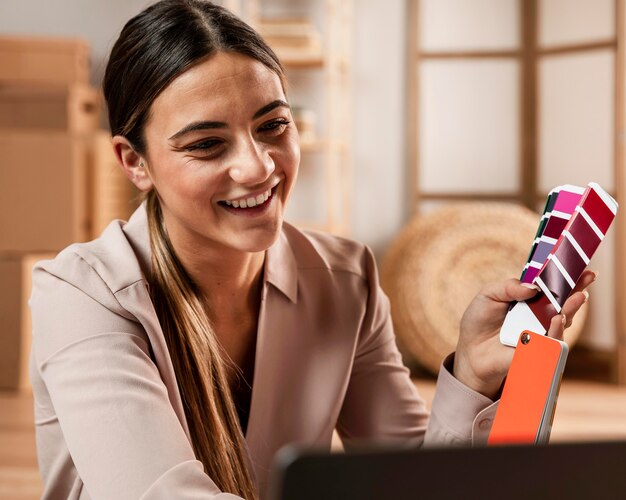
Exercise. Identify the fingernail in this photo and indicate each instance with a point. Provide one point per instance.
(586, 294)
(532, 286)
(563, 319)
(595, 275)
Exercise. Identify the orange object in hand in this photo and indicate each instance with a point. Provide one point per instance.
(528, 401)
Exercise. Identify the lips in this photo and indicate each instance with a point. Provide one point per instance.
(250, 204)
(250, 201)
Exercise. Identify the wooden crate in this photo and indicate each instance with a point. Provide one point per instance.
(44, 60)
(15, 319)
(44, 198)
(73, 108)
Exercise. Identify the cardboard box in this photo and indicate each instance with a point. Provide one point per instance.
(15, 319)
(44, 198)
(44, 60)
(71, 108)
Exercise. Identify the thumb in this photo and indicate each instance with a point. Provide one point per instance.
(511, 290)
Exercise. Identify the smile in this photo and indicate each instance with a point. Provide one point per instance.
(251, 201)
(253, 205)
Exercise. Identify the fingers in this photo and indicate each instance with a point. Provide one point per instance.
(586, 279)
(510, 290)
(557, 327)
(578, 296)
(573, 304)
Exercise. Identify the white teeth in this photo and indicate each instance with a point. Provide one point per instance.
(250, 202)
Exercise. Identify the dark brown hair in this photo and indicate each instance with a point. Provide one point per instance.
(154, 48)
(162, 42)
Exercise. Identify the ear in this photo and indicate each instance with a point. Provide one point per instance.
(133, 164)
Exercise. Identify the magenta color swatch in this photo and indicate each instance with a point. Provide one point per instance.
(530, 274)
(566, 201)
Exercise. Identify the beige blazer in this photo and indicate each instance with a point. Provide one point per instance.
(108, 414)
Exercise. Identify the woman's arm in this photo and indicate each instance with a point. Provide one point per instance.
(382, 403)
(119, 427)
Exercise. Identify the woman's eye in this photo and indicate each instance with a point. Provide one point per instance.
(274, 127)
(209, 144)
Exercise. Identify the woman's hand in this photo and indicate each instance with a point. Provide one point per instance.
(481, 362)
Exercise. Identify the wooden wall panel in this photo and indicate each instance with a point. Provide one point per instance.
(469, 132)
(576, 103)
(565, 22)
(450, 25)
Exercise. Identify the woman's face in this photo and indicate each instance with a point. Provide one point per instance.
(223, 154)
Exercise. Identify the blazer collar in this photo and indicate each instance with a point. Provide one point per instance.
(136, 230)
(281, 268)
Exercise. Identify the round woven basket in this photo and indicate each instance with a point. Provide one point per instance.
(440, 261)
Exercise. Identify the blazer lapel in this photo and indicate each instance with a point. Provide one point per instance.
(136, 298)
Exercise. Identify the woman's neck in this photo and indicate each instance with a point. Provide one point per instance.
(229, 280)
(232, 284)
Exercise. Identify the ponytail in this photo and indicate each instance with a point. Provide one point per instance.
(199, 365)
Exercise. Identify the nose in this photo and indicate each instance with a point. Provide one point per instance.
(252, 164)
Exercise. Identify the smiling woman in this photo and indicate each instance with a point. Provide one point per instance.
(174, 355)
(219, 137)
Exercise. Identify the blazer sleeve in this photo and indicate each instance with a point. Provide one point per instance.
(383, 404)
(121, 432)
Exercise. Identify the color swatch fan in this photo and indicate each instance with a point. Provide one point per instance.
(560, 206)
(574, 222)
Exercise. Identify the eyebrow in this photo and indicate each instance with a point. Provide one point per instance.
(207, 125)
(278, 103)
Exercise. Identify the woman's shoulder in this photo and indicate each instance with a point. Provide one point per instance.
(318, 249)
(100, 268)
(82, 295)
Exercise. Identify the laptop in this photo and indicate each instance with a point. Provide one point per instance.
(588, 470)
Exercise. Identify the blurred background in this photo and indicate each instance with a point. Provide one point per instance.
(432, 130)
